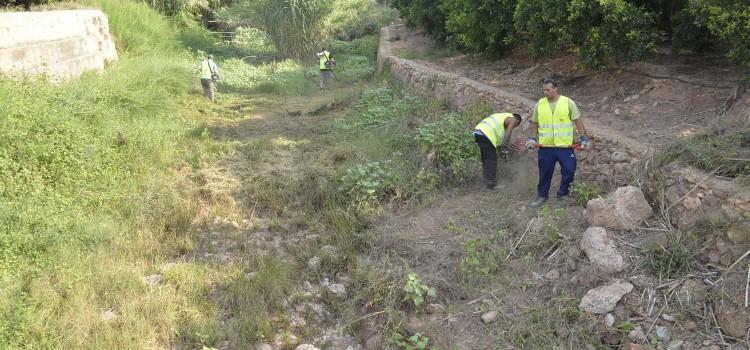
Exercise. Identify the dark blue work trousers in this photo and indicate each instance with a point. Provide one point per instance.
(548, 157)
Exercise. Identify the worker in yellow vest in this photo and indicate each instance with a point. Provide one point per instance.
(326, 64)
(208, 73)
(554, 122)
(490, 134)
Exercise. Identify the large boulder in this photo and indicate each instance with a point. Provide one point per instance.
(604, 299)
(601, 250)
(625, 208)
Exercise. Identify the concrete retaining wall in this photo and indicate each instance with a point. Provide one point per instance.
(62, 44)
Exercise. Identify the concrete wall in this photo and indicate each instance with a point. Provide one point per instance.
(62, 44)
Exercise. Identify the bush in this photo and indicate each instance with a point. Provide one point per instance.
(425, 14)
(367, 182)
(351, 19)
(605, 32)
(449, 140)
(482, 26)
(728, 20)
(689, 35)
(378, 107)
(542, 24)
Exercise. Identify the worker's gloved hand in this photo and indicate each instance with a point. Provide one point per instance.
(530, 144)
(585, 142)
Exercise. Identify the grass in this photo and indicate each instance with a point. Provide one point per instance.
(723, 148)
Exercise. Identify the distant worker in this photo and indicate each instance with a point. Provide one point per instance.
(326, 62)
(554, 122)
(490, 134)
(209, 74)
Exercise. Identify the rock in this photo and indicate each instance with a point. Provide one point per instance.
(335, 291)
(692, 294)
(662, 333)
(263, 346)
(328, 250)
(307, 286)
(489, 317)
(153, 280)
(601, 250)
(637, 334)
(435, 309)
(306, 347)
(612, 338)
(108, 315)
(675, 345)
(536, 225)
(415, 325)
(739, 233)
(313, 263)
(667, 317)
(623, 209)
(604, 299)
(733, 320)
(552, 275)
(609, 320)
(286, 340)
(619, 157)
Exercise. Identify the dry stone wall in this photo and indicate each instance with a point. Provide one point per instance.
(61, 44)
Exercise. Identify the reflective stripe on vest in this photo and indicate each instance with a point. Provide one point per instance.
(323, 59)
(494, 127)
(555, 128)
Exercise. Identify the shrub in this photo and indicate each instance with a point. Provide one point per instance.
(728, 20)
(449, 140)
(605, 32)
(378, 107)
(367, 182)
(687, 34)
(542, 24)
(425, 14)
(483, 26)
(583, 192)
(351, 19)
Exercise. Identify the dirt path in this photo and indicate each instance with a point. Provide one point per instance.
(652, 102)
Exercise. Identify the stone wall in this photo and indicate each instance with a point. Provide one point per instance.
(690, 195)
(62, 44)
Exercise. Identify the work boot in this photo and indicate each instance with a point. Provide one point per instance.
(563, 197)
(538, 202)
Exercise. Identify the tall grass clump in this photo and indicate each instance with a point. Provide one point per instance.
(89, 205)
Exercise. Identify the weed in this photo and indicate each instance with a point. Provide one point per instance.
(447, 138)
(668, 261)
(366, 182)
(416, 342)
(583, 192)
(416, 291)
(480, 257)
(431, 54)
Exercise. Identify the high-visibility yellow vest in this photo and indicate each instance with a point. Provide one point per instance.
(494, 127)
(323, 59)
(555, 128)
(205, 71)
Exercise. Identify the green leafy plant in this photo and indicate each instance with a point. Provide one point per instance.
(541, 24)
(667, 261)
(415, 342)
(447, 138)
(480, 257)
(482, 26)
(416, 291)
(367, 181)
(583, 192)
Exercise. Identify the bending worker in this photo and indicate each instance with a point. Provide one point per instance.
(490, 134)
(554, 121)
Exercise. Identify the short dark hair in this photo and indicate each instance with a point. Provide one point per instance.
(550, 81)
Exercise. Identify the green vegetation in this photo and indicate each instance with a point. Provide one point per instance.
(416, 291)
(668, 261)
(602, 33)
(721, 149)
(583, 192)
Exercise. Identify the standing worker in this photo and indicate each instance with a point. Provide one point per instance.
(209, 73)
(326, 68)
(554, 121)
(490, 134)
